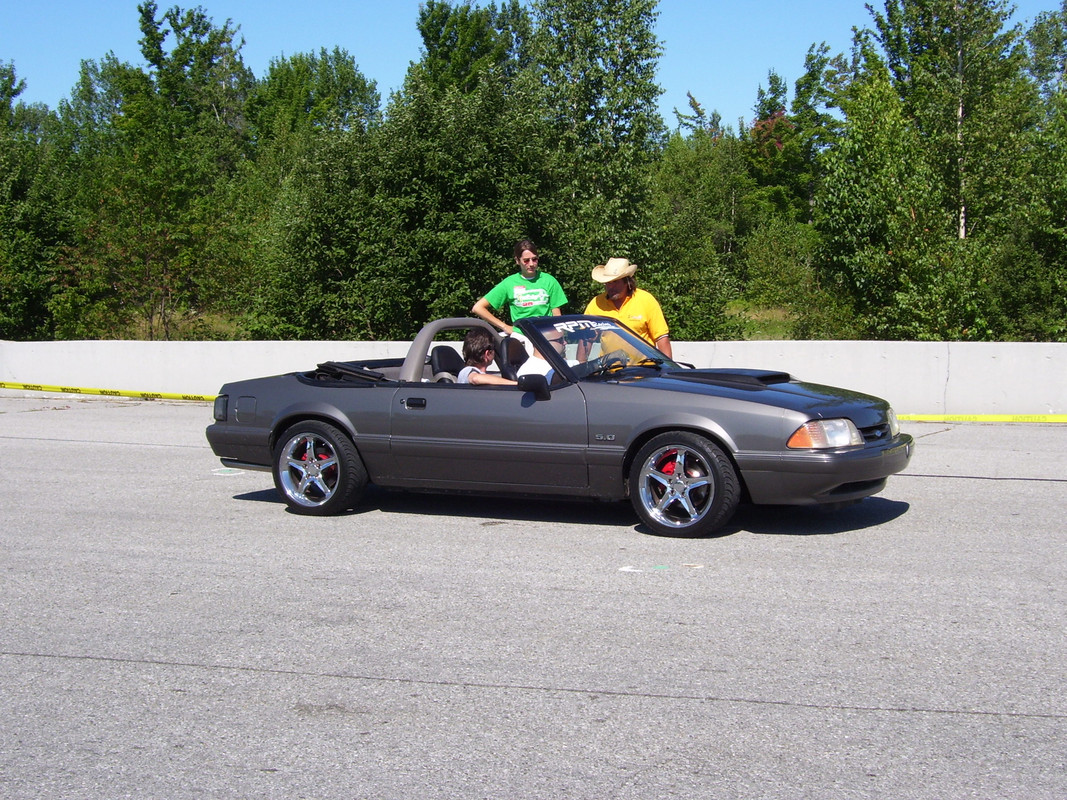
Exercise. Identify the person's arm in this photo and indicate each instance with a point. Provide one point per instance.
(585, 343)
(663, 344)
(483, 310)
(657, 326)
(556, 298)
(489, 379)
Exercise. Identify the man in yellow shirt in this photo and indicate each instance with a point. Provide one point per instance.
(635, 308)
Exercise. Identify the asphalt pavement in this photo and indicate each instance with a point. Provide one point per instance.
(169, 630)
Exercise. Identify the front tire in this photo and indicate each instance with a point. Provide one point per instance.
(682, 484)
(317, 470)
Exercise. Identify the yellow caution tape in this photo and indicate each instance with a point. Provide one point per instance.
(208, 398)
(36, 387)
(983, 417)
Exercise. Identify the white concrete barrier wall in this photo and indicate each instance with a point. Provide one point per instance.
(936, 378)
(944, 378)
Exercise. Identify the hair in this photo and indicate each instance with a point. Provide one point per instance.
(522, 245)
(475, 343)
(631, 285)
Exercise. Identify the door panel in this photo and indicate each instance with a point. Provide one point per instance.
(460, 436)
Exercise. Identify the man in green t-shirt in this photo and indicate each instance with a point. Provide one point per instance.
(526, 293)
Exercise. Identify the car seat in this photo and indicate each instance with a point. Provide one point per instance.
(445, 364)
(511, 354)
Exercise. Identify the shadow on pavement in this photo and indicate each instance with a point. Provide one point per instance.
(764, 520)
(817, 520)
(478, 506)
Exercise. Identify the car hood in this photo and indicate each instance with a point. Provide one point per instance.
(773, 388)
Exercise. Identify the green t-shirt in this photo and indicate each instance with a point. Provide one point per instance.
(526, 298)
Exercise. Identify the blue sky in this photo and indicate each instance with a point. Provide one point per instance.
(720, 50)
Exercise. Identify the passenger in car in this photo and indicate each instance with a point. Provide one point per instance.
(478, 353)
(537, 364)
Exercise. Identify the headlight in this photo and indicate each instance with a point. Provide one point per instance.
(825, 434)
(894, 423)
(221, 403)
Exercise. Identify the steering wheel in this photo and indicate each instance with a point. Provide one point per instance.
(605, 363)
(614, 358)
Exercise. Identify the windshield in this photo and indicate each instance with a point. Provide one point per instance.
(595, 347)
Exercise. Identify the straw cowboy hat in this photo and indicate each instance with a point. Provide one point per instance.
(615, 268)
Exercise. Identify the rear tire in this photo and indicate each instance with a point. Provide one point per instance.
(317, 470)
(682, 484)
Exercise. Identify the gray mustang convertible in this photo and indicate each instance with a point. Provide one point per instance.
(596, 413)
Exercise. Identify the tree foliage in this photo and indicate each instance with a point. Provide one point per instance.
(960, 76)
(311, 91)
(912, 188)
(150, 148)
(31, 228)
(462, 43)
(879, 212)
(596, 62)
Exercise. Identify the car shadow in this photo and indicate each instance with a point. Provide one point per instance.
(262, 496)
(510, 508)
(763, 520)
(483, 507)
(817, 520)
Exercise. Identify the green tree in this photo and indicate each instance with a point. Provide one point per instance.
(960, 74)
(1047, 41)
(1040, 293)
(1034, 290)
(310, 91)
(704, 202)
(771, 101)
(698, 119)
(970, 92)
(881, 217)
(775, 152)
(159, 143)
(779, 257)
(597, 61)
(817, 93)
(414, 220)
(11, 86)
(31, 224)
(305, 106)
(311, 242)
(462, 42)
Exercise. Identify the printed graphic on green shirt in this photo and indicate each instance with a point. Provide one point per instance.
(525, 297)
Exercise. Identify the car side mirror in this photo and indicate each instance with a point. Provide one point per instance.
(538, 384)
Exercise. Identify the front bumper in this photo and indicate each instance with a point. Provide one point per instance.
(814, 477)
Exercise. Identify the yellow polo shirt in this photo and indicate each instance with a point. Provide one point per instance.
(640, 311)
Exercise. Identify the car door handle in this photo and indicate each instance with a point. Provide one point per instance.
(414, 402)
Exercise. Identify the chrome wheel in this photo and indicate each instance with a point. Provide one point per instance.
(317, 470)
(309, 476)
(683, 485)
